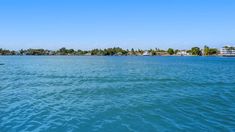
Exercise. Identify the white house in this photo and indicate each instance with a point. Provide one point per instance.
(227, 51)
(183, 53)
(146, 53)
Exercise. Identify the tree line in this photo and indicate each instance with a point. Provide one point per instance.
(116, 51)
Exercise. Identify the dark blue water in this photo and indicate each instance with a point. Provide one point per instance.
(117, 94)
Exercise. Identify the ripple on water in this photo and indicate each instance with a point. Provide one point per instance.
(117, 93)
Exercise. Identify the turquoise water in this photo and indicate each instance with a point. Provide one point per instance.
(117, 94)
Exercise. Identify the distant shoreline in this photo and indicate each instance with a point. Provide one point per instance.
(122, 55)
(115, 51)
(226, 51)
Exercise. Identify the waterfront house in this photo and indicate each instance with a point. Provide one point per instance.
(118, 54)
(228, 51)
(87, 54)
(146, 53)
(182, 53)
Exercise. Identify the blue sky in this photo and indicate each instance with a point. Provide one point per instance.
(87, 24)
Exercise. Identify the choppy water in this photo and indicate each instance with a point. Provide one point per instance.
(117, 94)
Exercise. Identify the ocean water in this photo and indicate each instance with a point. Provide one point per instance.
(117, 94)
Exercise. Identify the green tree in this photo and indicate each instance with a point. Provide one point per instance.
(176, 51)
(206, 50)
(63, 51)
(71, 51)
(170, 51)
(213, 51)
(196, 51)
(133, 52)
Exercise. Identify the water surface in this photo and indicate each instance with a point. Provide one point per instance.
(117, 93)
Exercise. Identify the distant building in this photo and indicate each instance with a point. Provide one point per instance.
(17, 53)
(202, 51)
(51, 53)
(228, 51)
(146, 53)
(182, 53)
(88, 54)
(118, 54)
(162, 53)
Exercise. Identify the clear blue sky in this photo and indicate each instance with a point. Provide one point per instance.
(87, 24)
